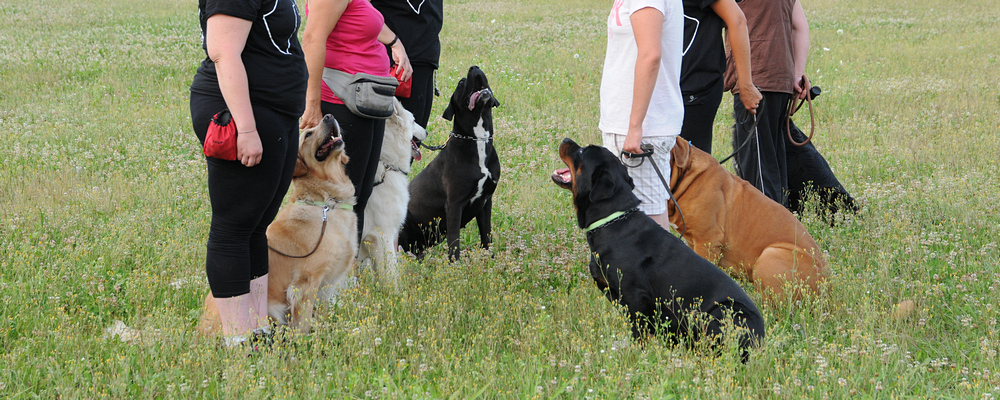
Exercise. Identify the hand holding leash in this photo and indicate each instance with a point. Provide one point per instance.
(647, 150)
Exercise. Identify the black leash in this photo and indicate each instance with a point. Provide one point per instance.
(457, 136)
(647, 151)
(752, 131)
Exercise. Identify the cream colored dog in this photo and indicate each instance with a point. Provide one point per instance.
(313, 239)
(386, 207)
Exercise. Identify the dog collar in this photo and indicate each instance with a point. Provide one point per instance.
(340, 204)
(478, 139)
(608, 220)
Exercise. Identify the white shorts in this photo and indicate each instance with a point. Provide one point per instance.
(648, 187)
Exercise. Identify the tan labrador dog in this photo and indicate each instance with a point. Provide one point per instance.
(729, 222)
(313, 240)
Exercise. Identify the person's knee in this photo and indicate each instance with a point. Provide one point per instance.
(662, 220)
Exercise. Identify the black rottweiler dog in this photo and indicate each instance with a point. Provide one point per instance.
(459, 183)
(659, 279)
(809, 173)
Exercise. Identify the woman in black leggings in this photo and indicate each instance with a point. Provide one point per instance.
(255, 69)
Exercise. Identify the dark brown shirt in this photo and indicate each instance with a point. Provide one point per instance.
(770, 25)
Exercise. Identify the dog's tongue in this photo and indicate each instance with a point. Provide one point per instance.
(472, 100)
(415, 149)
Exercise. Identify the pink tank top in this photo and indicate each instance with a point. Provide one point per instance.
(353, 45)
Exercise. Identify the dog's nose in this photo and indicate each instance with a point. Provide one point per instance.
(327, 118)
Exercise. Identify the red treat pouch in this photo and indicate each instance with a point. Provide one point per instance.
(220, 141)
(403, 90)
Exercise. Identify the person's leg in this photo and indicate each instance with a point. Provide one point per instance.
(699, 118)
(242, 201)
(363, 145)
(421, 94)
(661, 155)
(287, 142)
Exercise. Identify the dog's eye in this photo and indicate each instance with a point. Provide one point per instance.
(308, 134)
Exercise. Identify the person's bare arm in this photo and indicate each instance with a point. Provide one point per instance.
(398, 51)
(739, 42)
(225, 37)
(647, 26)
(323, 16)
(800, 49)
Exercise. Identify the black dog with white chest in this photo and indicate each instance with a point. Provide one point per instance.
(638, 264)
(458, 184)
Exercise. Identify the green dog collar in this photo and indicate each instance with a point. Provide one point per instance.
(606, 220)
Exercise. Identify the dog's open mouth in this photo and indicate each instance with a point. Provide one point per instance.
(484, 94)
(331, 143)
(562, 177)
(415, 149)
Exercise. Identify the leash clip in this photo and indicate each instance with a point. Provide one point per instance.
(325, 209)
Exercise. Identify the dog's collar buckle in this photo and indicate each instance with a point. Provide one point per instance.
(614, 217)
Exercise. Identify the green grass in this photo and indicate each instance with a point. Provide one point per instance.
(105, 216)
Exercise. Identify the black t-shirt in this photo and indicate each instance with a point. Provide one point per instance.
(272, 56)
(704, 60)
(417, 23)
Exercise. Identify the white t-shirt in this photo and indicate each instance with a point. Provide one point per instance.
(666, 108)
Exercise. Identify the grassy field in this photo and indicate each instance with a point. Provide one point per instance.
(105, 215)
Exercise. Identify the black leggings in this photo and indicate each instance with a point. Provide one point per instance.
(363, 145)
(421, 94)
(244, 200)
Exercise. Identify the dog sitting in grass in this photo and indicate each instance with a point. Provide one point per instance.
(661, 282)
(313, 239)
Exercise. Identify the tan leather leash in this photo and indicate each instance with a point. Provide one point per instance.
(792, 109)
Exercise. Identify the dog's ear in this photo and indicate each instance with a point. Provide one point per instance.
(602, 185)
(681, 153)
(300, 168)
(449, 112)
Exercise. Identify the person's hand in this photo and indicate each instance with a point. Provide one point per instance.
(402, 60)
(248, 148)
(750, 97)
(632, 142)
(311, 116)
(802, 87)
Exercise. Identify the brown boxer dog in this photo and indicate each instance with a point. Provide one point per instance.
(729, 222)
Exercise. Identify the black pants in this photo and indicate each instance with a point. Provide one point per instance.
(244, 199)
(699, 117)
(421, 93)
(762, 161)
(363, 145)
